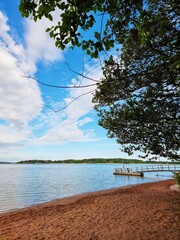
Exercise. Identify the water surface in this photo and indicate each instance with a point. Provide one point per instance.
(28, 184)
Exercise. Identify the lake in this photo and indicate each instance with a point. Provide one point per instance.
(29, 184)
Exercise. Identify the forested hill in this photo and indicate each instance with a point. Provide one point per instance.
(91, 160)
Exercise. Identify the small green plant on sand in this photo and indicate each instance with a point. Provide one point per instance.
(177, 177)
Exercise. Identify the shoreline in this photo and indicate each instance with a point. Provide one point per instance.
(77, 196)
(140, 211)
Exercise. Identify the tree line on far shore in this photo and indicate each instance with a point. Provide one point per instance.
(90, 161)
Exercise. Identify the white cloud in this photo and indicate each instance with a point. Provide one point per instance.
(68, 126)
(20, 98)
(39, 45)
(12, 136)
(66, 132)
(16, 93)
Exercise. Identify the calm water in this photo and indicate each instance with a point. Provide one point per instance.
(25, 185)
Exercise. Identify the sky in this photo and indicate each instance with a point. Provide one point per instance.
(29, 128)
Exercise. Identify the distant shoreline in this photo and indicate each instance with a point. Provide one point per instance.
(7, 162)
(95, 160)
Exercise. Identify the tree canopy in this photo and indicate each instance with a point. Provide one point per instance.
(138, 98)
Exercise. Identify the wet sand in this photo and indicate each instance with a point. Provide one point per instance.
(148, 211)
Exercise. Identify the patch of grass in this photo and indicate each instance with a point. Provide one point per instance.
(177, 177)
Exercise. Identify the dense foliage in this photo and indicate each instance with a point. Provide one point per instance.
(141, 87)
(138, 99)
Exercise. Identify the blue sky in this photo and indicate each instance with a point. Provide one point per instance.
(28, 128)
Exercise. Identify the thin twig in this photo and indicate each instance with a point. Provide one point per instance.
(84, 76)
(57, 86)
(102, 20)
(59, 110)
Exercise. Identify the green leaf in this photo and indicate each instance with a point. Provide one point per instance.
(50, 17)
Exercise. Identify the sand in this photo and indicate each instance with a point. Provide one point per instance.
(148, 211)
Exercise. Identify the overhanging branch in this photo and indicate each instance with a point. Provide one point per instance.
(60, 86)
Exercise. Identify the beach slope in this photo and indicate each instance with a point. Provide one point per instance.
(148, 211)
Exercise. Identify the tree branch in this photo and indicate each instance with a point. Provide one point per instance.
(82, 75)
(57, 86)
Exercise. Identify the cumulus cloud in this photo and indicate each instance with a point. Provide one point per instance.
(20, 98)
(21, 102)
(16, 93)
(39, 45)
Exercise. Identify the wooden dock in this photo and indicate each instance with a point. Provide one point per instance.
(141, 170)
(127, 172)
(123, 171)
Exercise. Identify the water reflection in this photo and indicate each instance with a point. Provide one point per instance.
(24, 185)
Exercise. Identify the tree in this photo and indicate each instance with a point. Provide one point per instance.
(138, 98)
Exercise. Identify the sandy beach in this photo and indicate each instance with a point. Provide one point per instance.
(148, 211)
